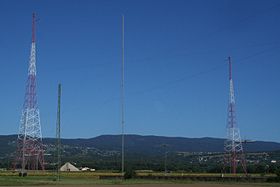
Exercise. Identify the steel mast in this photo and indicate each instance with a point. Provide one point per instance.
(122, 95)
(30, 153)
(58, 141)
(234, 154)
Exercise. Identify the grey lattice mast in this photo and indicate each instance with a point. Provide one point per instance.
(122, 97)
(30, 153)
(234, 155)
(58, 141)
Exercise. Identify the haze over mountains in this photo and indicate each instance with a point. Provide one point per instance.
(144, 144)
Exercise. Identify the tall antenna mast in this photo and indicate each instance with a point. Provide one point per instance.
(30, 152)
(122, 95)
(233, 145)
(33, 27)
(58, 146)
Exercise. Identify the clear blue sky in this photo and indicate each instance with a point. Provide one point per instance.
(176, 70)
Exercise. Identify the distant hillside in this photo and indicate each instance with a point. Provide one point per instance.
(143, 144)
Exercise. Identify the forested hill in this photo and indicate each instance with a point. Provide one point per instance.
(144, 144)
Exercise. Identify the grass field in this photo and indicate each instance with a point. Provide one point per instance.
(92, 179)
(49, 181)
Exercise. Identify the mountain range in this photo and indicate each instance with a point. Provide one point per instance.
(144, 144)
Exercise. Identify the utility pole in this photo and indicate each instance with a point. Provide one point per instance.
(58, 142)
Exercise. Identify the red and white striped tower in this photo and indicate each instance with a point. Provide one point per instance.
(233, 145)
(30, 152)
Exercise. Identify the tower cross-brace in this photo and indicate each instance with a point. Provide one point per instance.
(233, 145)
(30, 152)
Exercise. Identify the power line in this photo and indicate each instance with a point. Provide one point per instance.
(197, 74)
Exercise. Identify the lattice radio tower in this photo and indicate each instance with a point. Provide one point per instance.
(234, 155)
(58, 140)
(122, 99)
(30, 153)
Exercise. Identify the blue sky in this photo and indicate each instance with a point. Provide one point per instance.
(175, 66)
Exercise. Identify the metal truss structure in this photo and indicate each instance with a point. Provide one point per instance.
(234, 154)
(30, 150)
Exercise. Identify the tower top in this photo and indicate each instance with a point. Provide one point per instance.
(33, 27)
(32, 60)
(230, 68)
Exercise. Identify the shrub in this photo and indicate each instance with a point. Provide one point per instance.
(129, 174)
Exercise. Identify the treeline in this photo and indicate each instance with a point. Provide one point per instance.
(196, 163)
(172, 162)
